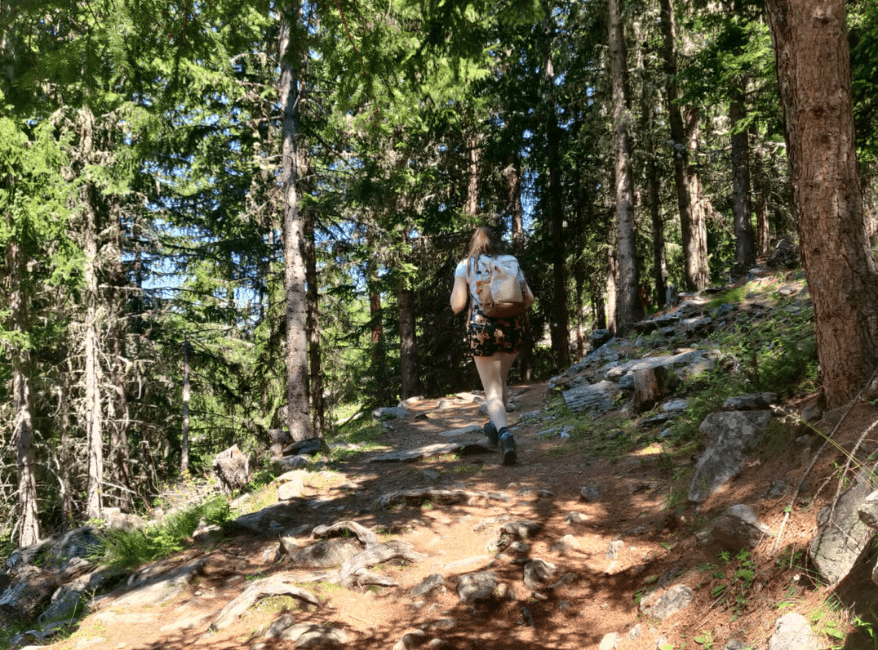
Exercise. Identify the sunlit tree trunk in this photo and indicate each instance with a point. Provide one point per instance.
(745, 251)
(628, 308)
(314, 361)
(473, 205)
(693, 230)
(119, 413)
(184, 438)
(22, 404)
(814, 75)
(93, 375)
(760, 204)
(560, 324)
(408, 353)
(291, 55)
(512, 174)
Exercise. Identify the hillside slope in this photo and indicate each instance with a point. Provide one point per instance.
(557, 551)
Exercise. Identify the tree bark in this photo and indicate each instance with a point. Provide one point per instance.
(693, 233)
(92, 378)
(560, 321)
(813, 69)
(22, 404)
(314, 362)
(408, 352)
(745, 249)
(291, 54)
(516, 213)
(659, 266)
(628, 308)
(760, 205)
(184, 437)
(473, 203)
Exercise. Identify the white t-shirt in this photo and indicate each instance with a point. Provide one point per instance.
(464, 266)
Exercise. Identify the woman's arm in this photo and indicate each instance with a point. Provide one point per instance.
(459, 294)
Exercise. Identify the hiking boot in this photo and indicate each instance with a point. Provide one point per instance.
(491, 431)
(507, 446)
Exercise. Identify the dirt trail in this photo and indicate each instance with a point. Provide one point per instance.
(631, 494)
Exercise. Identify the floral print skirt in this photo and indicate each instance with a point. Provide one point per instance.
(488, 336)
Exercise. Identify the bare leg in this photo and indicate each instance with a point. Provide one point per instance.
(493, 372)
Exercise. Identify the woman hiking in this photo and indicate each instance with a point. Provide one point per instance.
(494, 341)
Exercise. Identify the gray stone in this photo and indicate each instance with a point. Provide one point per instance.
(868, 510)
(670, 602)
(599, 397)
(566, 545)
(522, 529)
(476, 587)
(312, 635)
(738, 528)
(792, 632)
(325, 553)
(538, 572)
(232, 469)
(614, 548)
(463, 431)
(80, 542)
(411, 640)
(159, 584)
(27, 595)
(675, 406)
(689, 361)
(576, 518)
(463, 447)
(389, 413)
(65, 605)
(752, 402)
(427, 585)
(307, 447)
(731, 435)
(842, 537)
(590, 493)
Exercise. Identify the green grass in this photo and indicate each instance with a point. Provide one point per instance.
(133, 548)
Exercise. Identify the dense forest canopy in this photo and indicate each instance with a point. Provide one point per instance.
(221, 219)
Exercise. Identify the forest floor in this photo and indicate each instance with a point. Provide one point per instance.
(637, 502)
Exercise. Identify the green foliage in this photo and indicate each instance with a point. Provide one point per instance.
(132, 548)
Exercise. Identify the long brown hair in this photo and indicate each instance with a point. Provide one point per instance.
(485, 242)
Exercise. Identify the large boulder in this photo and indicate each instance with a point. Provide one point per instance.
(841, 536)
(232, 468)
(730, 437)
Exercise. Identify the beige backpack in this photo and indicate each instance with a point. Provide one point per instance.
(498, 286)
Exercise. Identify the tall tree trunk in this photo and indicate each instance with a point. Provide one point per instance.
(513, 200)
(408, 353)
(560, 325)
(628, 308)
(612, 292)
(516, 213)
(813, 70)
(376, 320)
(119, 417)
(473, 203)
(760, 205)
(22, 406)
(92, 378)
(745, 250)
(184, 438)
(659, 267)
(65, 455)
(316, 371)
(291, 55)
(694, 233)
